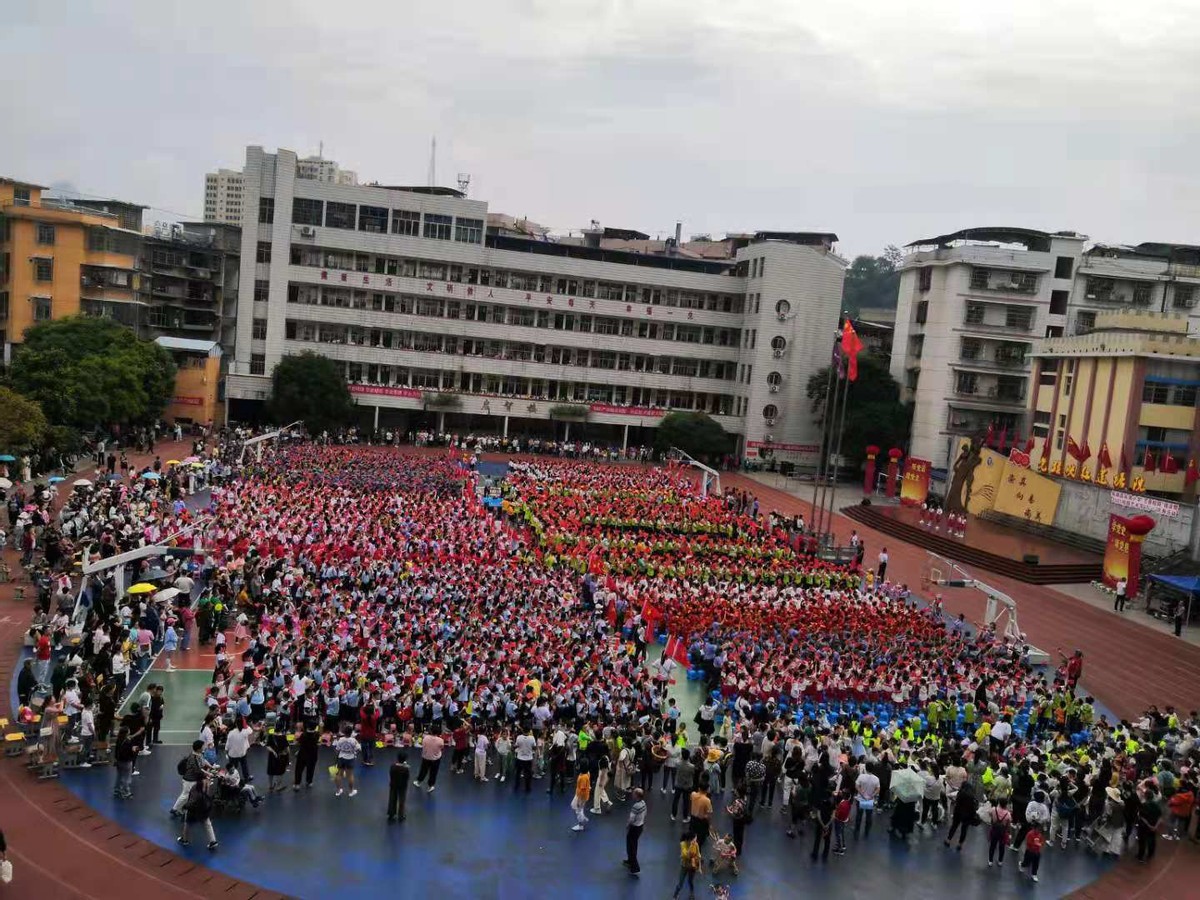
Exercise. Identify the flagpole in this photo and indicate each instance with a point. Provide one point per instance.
(821, 448)
(839, 395)
(841, 430)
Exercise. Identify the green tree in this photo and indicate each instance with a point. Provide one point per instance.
(85, 372)
(872, 281)
(874, 413)
(694, 433)
(22, 424)
(310, 388)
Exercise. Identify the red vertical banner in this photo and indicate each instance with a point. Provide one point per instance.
(1123, 550)
(869, 475)
(893, 470)
(915, 489)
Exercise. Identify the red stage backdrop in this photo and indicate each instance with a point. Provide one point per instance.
(1123, 552)
(916, 481)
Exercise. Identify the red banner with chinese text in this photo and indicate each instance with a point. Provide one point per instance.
(915, 487)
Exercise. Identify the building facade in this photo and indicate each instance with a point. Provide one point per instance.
(58, 256)
(441, 319)
(223, 197)
(972, 304)
(1110, 401)
(198, 374)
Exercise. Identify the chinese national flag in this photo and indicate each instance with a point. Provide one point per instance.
(1148, 461)
(1003, 438)
(1085, 452)
(851, 347)
(1073, 448)
(1169, 466)
(1192, 475)
(1029, 442)
(1124, 460)
(1104, 459)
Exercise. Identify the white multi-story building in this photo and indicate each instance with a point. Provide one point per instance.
(972, 304)
(316, 168)
(445, 316)
(223, 197)
(223, 188)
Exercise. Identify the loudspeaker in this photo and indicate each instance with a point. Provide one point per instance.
(866, 501)
(1030, 559)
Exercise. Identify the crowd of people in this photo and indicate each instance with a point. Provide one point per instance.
(364, 598)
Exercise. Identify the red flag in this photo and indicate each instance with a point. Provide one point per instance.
(1169, 464)
(1124, 460)
(1148, 460)
(679, 652)
(1104, 459)
(991, 434)
(851, 347)
(1029, 443)
(1192, 475)
(1073, 448)
(1003, 438)
(1045, 447)
(1085, 452)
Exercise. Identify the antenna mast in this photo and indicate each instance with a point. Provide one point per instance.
(433, 161)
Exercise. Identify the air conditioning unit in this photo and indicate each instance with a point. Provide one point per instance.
(774, 389)
(778, 354)
(782, 317)
(308, 231)
(769, 438)
(770, 421)
(1091, 296)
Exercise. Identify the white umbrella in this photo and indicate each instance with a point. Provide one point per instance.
(907, 785)
(166, 594)
(5, 484)
(82, 482)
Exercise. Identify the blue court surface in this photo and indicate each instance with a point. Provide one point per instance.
(480, 841)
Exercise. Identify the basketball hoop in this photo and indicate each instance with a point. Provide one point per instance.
(932, 574)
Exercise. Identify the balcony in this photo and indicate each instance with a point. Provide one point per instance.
(1000, 282)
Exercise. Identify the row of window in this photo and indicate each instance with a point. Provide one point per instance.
(499, 314)
(376, 220)
(426, 342)
(532, 282)
(1169, 394)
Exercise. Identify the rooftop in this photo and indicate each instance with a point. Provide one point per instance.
(189, 345)
(1030, 238)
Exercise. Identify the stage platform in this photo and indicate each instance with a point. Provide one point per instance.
(987, 545)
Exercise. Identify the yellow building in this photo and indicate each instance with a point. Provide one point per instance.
(197, 378)
(1125, 389)
(55, 255)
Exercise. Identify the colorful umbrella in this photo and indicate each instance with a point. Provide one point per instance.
(172, 462)
(142, 588)
(6, 458)
(151, 476)
(55, 479)
(82, 482)
(167, 594)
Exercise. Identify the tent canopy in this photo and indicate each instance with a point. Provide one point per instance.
(1189, 584)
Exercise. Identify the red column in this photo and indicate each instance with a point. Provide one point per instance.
(893, 470)
(869, 477)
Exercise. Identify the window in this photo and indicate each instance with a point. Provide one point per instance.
(406, 222)
(3, 304)
(259, 330)
(264, 252)
(770, 411)
(783, 309)
(1141, 294)
(924, 278)
(43, 269)
(262, 290)
(762, 266)
(437, 227)
(774, 380)
(373, 219)
(45, 234)
(339, 215)
(1084, 322)
(972, 348)
(1018, 317)
(979, 279)
(778, 344)
(42, 309)
(1184, 296)
(975, 314)
(1063, 266)
(258, 364)
(1058, 301)
(266, 211)
(1184, 395)
(1053, 331)
(1041, 423)
(308, 212)
(20, 196)
(468, 231)
(966, 383)
(922, 312)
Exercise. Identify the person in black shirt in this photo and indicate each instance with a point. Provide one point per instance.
(26, 682)
(307, 745)
(398, 776)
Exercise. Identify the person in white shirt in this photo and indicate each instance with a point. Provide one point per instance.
(523, 748)
(87, 736)
(866, 787)
(237, 746)
(1001, 732)
(481, 748)
(883, 561)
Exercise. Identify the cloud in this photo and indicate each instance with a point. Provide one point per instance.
(881, 121)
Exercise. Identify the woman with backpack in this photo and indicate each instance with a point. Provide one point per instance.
(198, 811)
(999, 823)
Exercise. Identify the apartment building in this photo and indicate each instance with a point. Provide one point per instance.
(56, 256)
(446, 315)
(223, 189)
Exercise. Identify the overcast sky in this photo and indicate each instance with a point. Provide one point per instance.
(882, 120)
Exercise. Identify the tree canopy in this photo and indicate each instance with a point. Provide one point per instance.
(85, 372)
(22, 424)
(694, 433)
(310, 388)
(872, 281)
(874, 413)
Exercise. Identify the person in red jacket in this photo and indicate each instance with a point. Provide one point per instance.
(368, 732)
